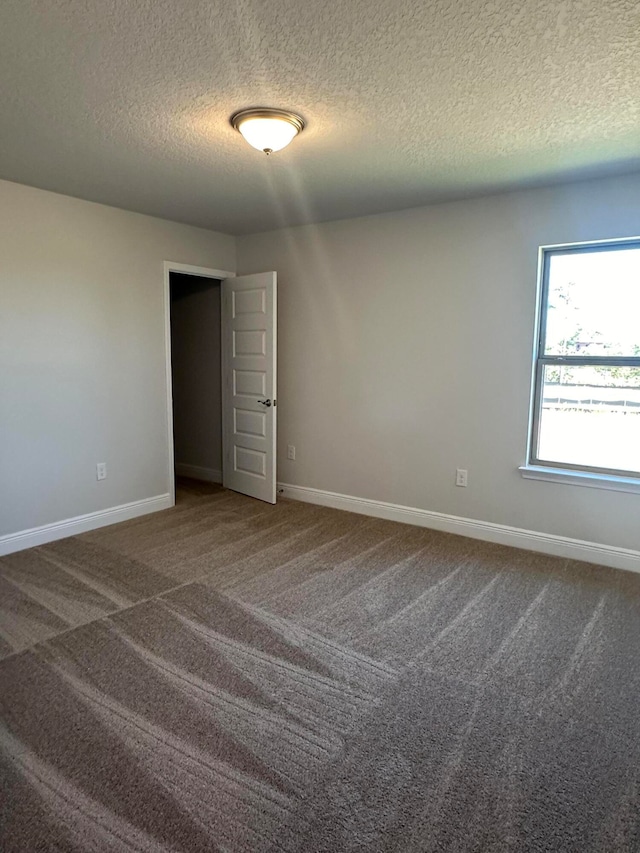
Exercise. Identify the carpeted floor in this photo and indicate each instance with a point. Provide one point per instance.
(231, 676)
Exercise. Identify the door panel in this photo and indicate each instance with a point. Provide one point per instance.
(249, 385)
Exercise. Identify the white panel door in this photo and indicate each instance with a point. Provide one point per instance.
(249, 385)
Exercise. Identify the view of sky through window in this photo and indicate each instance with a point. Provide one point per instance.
(594, 303)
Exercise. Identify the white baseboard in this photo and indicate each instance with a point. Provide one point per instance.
(196, 472)
(81, 524)
(531, 540)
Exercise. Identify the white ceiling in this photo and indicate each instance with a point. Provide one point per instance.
(127, 102)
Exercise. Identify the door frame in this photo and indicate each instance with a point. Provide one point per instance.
(201, 272)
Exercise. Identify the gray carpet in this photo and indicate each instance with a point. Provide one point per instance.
(231, 676)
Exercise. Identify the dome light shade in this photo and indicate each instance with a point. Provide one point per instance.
(267, 129)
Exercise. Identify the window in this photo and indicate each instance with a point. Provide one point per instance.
(586, 399)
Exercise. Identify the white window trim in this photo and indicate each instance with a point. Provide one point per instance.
(571, 477)
(556, 473)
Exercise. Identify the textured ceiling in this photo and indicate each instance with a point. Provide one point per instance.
(127, 102)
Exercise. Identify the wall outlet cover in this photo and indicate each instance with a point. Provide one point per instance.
(461, 476)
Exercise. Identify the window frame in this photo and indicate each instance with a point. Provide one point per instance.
(540, 360)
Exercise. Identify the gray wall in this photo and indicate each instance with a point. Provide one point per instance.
(82, 359)
(404, 351)
(404, 348)
(195, 363)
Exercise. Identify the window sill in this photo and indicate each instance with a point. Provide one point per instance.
(581, 478)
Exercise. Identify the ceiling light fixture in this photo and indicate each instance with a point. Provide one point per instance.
(266, 129)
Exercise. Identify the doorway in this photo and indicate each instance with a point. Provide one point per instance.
(220, 354)
(202, 274)
(196, 376)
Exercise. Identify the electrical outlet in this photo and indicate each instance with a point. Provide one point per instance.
(461, 476)
(101, 471)
(291, 452)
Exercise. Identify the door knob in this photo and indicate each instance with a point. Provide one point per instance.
(266, 403)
